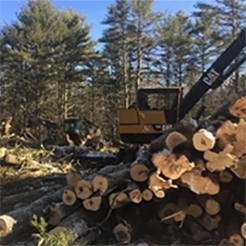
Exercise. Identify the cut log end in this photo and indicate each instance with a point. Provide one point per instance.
(118, 199)
(83, 189)
(93, 203)
(139, 172)
(236, 239)
(239, 108)
(6, 224)
(243, 230)
(122, 233)
(147, 195)
(174, 139)
(68, 197)
(194, 210)
(203, 140)
(99, 183)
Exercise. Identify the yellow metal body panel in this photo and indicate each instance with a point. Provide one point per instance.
(133, 121)
(128, 116)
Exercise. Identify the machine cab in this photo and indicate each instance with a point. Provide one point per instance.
(155, 111)
(166, 99)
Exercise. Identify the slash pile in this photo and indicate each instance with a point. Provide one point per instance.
(186, 187)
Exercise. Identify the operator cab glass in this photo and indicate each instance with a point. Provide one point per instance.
(161, 99)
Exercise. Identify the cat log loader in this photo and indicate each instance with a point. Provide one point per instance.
(158, 109)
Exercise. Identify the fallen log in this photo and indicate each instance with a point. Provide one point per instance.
(103, 183)
(174, 139)
(73, 226)
(23, 195)
(118, 199)
(58, 211)
(17, 221)
(140, 168)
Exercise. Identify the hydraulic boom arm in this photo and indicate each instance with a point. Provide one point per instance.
(214, 76)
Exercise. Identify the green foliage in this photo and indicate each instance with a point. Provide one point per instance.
(49, 239)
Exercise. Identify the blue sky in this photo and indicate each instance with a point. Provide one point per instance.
(95, 10)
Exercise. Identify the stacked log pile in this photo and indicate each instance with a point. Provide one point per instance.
(186, 187)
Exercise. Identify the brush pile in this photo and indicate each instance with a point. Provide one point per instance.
(186, 187)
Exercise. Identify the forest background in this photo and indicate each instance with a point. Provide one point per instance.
(51, 67)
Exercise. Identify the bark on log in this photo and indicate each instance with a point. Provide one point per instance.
(58, 211)
(73, 226)
(68, 197)
(203, 140)
(199, 184)
(220, 161)
(72, 179)
(15, 222)
(171, 166)
(23, 195)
